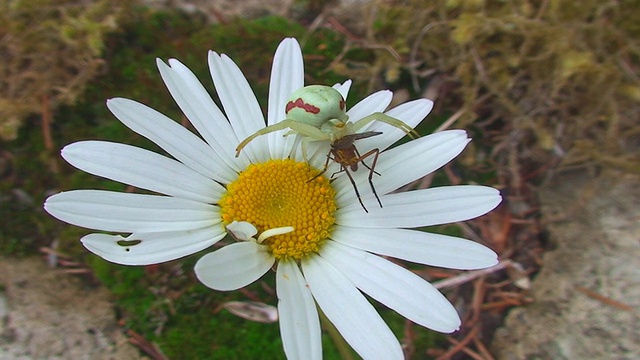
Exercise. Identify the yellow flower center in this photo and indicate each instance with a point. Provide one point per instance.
(278, 193)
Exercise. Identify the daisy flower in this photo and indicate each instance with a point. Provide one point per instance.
(326, 249)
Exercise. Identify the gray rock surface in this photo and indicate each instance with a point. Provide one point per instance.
(45, 314)
(587, 294)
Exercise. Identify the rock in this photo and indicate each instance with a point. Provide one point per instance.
(587, 294)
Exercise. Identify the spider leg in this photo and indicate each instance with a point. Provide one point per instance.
(375, 153)
(305, 130)
(295, 126)
(306, 144)
(387, 120)
(284, 124)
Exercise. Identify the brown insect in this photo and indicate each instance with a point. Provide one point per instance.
(344, 152)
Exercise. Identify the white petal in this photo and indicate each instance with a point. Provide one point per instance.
(179, 142)
(196, 103)
(424, 207)
(242, 230)
(240, 104)
(418, 246)
(396, 287)
(299, 323)
(376, 102)
(234, 266)
(404, 164)
(343, 88)
(126, 212)
(141, 168)
(356, 319)
(153, 248)
(411, 113)
(287, 76)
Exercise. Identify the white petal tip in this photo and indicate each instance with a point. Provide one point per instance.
(242, 230)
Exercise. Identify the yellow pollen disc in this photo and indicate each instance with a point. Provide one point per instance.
(278, 193)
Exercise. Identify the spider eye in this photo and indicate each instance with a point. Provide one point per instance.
(315, 105)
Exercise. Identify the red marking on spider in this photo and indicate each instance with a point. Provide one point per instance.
(342, 104)
(299, 103)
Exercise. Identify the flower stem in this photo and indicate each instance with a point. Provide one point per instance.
(341, 345)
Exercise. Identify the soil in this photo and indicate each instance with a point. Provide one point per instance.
(586, 296)
(46, 314)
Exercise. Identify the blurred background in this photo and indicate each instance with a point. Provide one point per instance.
(549, 90)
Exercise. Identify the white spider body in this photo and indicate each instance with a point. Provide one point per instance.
(315, 105)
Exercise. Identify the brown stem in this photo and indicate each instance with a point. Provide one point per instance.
(46, 123)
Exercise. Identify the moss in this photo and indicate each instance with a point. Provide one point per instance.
(201, 335)
(559, 70)
(51, 50)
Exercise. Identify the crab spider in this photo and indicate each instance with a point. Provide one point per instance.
(318, 113)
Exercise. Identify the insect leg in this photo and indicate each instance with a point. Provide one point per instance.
(326, 165)
(361, 159)
(375, 153)
(356, 188)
